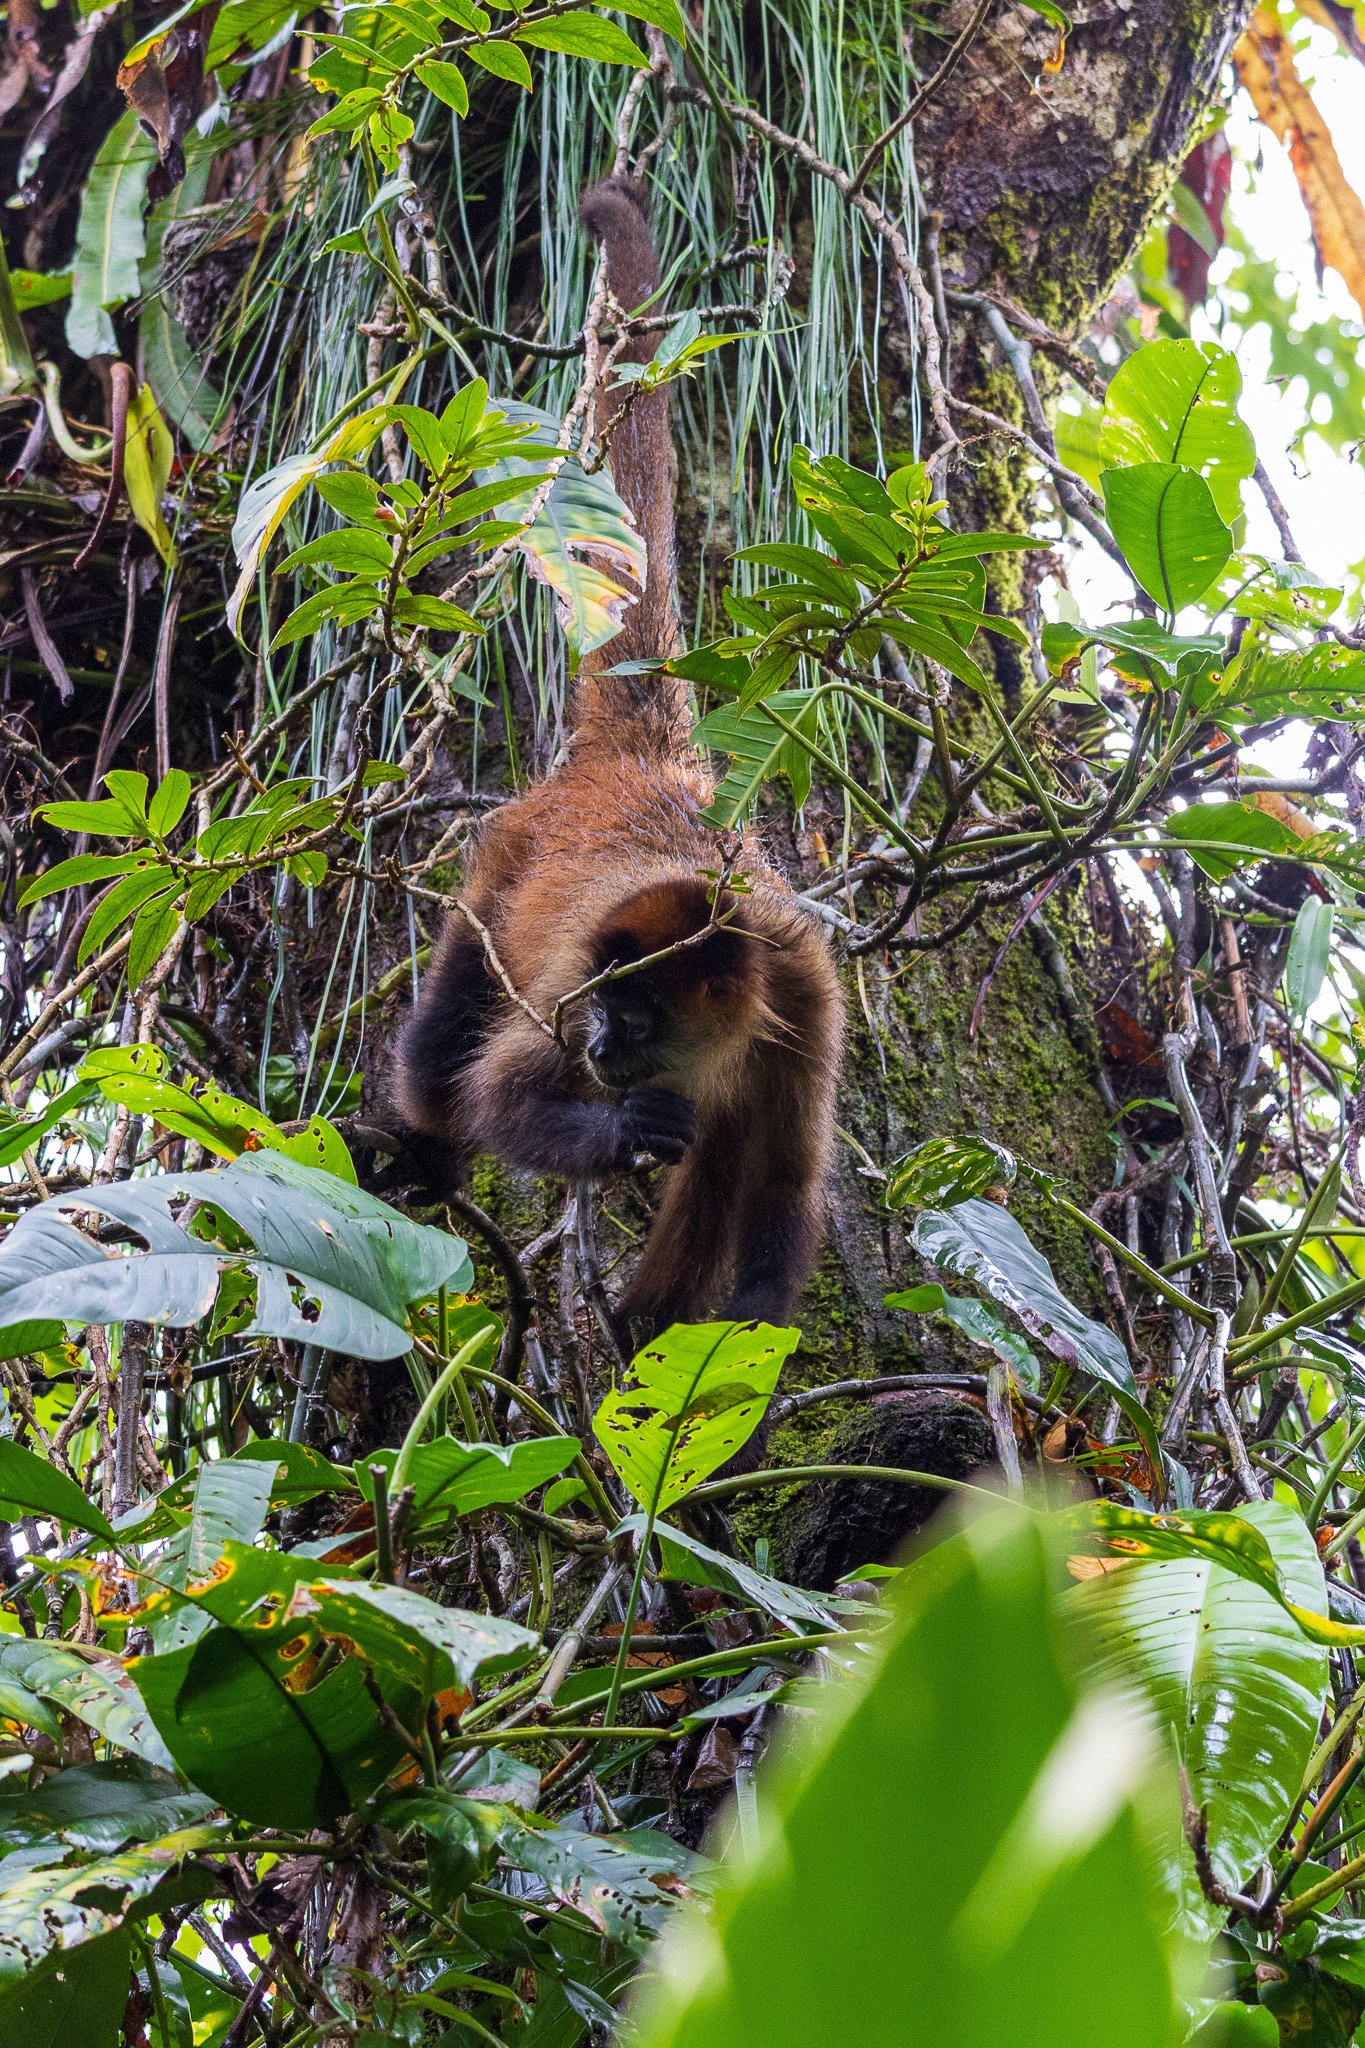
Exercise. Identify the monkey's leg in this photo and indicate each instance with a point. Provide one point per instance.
(681, 1273)
(781, 1203)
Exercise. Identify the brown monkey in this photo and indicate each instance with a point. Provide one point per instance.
(721, 1059)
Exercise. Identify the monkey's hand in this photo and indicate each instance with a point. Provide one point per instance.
(658, 1121)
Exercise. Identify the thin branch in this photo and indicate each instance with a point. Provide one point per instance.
(927, 92)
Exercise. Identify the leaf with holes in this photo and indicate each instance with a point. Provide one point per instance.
(65, 1901)
(947, 1170)
(91, 1685)
(694, 1397)
(581, 542)
(983, 1242)
(331, 1265)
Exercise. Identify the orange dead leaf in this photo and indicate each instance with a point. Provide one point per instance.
(1265, 66)
(1279, 807)
(1081, 1567)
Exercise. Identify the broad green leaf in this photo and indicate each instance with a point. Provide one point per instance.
(134, 1076)
(34, 288)
(25, 1709)
(121, 902)
(18, 1133)
(355, 551)
(1176, 401)
(664, 14)
(503, 60)
(110, 242)
(108, 817)
(298, 1472)
(693, 1563)
(629, 1885)
(177, 376)
(1237, 1687)
(437, 613)
(983, 1242)
(99, 1806)
(1167, 524)
(417, 1641)
(129, 786)
(693, 1398)
(760, 749)
(882, 1898)
(30, 1486)
(947, 1170)
(975, 1321)
(244, 1687)
(62, 1903)
(168, 806)
(1222, 837)
(82, 870)
(584, 35)
(1230, 1541)
(1310, 950)
(333, 1266)
(230, 1503)
(77, 1995)
(453, 1478)
(447, 81)
(1145, 651)
(266, 1752)
(91, 1685)
(147, 461)
(1312, 683)
(176, 373)
(345, 604)
(153, 929)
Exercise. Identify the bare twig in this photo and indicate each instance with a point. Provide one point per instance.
(930, 90)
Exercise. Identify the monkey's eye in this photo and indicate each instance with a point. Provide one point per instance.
(635, 1025)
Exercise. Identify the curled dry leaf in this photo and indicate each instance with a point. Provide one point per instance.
(1265, 66)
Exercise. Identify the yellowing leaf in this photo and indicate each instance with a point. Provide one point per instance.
(147, 463)
(1265, 66)
(266, 501)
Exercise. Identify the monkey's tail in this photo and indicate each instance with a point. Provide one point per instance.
(649, 709)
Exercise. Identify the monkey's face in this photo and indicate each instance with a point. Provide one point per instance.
(679, 1035)
(628, 1033)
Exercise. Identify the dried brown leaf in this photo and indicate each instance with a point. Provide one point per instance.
(1265, 66)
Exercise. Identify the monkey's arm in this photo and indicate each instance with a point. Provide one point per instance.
(522, 1100)
(436, 1044)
